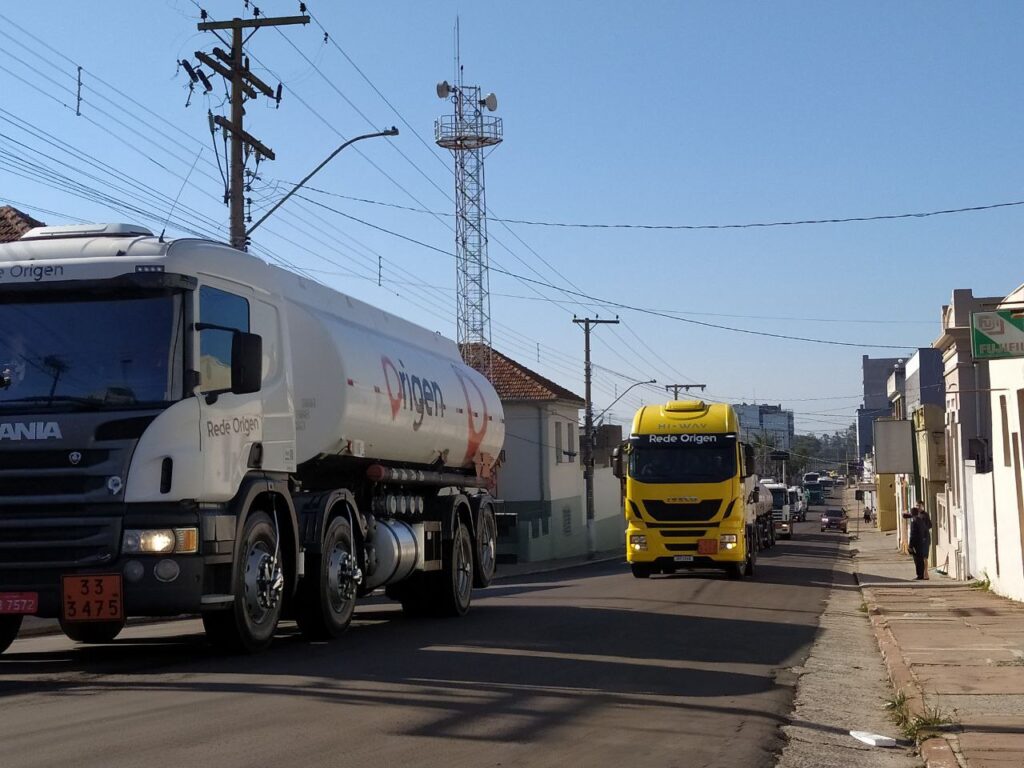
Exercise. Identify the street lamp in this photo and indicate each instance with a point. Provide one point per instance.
(392, 131)
(635, 384)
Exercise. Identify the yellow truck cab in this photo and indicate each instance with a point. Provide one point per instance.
(690, 500)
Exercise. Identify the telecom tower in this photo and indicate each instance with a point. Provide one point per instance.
(467, 133)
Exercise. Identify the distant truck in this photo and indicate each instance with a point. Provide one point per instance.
(691, 497)
(811, 477)
(185, 429)
(815, 495)
(827, 486)
(797, 504)
(782, 510)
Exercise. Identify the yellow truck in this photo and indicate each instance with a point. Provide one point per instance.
(691, 498)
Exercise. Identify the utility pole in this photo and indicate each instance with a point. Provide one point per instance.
(233, 66)
(588, 428)
(676, 387)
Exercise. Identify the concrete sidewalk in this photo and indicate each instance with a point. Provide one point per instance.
(955, 651)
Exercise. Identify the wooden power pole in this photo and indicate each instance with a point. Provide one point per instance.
(588, 430)
(233, 66)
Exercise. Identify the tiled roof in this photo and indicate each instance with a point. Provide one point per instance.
(514, 381)
(14, 223)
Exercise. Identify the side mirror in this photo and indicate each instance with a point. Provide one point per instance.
(246, 363)
(755, 495)
(748, 460)
(617, 468)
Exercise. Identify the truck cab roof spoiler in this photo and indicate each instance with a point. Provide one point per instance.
(86, 230)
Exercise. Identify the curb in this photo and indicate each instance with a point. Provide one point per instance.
(935, 751)
(559, 566)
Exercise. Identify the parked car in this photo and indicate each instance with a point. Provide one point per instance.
(834, 520)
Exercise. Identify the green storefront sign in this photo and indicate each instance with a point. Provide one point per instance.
(996, 335)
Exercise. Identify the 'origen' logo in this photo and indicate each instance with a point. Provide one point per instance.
(412, 393)
(32, 430)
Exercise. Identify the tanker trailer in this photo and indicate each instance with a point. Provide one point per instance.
(187, 429)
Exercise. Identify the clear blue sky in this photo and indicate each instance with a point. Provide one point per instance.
(643, 113)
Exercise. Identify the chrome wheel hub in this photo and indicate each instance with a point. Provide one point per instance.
(264, 583)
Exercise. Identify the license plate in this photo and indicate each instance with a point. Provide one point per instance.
(19, 602)
(96, 597)
(683, 558)
(707, 546)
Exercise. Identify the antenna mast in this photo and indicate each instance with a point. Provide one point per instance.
(467, 133)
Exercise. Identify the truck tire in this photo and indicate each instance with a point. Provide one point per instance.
(451, 589)
(485, 553)
(9, 627)
(327, 595)
(257, 583)
(91, 632)
(641, 570)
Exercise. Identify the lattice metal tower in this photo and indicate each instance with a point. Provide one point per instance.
(468, 133)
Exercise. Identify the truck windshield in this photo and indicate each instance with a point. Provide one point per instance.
(90, 353)
(683, 464)
(778, 498)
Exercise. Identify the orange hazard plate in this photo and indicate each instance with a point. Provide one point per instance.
(707, 546)
(96, 597)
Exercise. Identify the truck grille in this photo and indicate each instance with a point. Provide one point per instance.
(43, 485)
(35, 541)
(700, 512)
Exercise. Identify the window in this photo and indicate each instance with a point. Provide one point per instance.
(559, 455)
(571, 442)
(227, 311)
(91, 352)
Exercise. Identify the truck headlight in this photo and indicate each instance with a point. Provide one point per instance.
(638, 542)
(160, 541)
(728, 540)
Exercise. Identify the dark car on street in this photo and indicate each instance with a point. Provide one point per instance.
(834, 520)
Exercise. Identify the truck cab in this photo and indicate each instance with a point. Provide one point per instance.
(781, 510)
(691, 499)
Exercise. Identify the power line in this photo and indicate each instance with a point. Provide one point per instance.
(743, 225)
(615, 304)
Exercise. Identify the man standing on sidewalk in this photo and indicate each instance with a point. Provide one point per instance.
(920, 540)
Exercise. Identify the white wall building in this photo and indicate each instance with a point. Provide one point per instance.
(998, 496)
(541, 476)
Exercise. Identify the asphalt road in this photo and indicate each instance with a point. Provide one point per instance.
(580, 667)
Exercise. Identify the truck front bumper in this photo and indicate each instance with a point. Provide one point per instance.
(152, 585)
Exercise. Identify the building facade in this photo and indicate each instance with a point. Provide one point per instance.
(998, 495)
(875, 375)
(768, 424)
(968, 434)
(541, 474)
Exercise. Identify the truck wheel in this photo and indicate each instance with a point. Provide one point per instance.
(641, 570)
(327, 596)
(486, 552)
(9, 626)
(453, 586)
(748, 565)
(258, 585)
(92, 632)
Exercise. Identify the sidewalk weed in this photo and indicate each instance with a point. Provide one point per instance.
(916, 727)
(983, 584)
(863, 607)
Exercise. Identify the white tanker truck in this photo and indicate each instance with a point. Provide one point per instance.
(187, 429)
